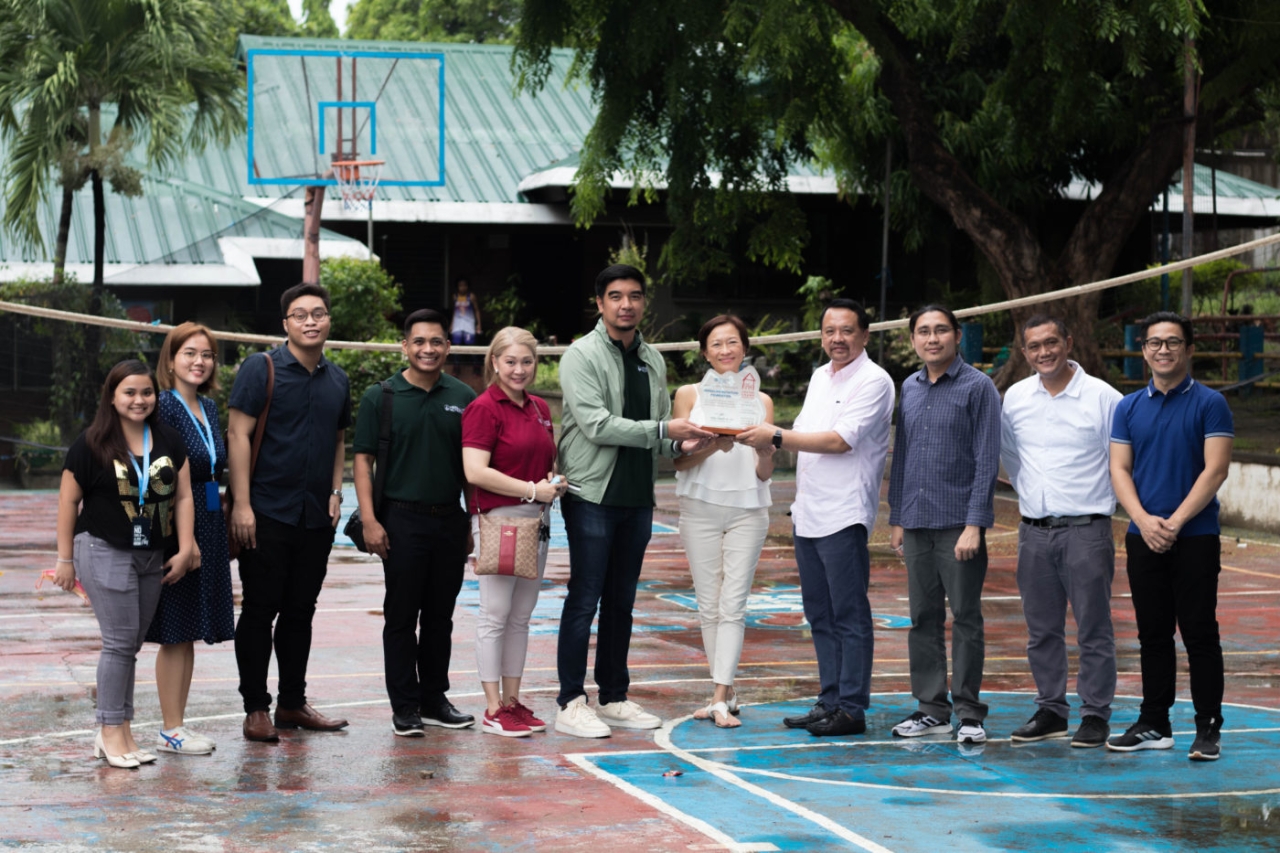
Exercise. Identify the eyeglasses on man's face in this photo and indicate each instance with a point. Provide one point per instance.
(1155, 344)
(300, 316)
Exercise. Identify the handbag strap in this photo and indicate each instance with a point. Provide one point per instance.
(384, 445)
(261, 427)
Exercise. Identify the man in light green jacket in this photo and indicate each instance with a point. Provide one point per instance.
(616, 420)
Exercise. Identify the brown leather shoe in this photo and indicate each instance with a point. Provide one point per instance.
(257, 726)
(306, 717)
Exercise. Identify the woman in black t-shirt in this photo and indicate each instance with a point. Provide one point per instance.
(131, 473)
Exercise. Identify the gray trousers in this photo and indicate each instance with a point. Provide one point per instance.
(1075, 565)
(124, 589)
(934, 577)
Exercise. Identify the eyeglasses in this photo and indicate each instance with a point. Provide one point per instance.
(1046, 345)
(936, 331)
(300, 316)
(1154, 344)
(201, 355)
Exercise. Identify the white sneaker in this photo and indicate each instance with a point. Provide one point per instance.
(184, 742)
(579, 720)
(628, 715)
(919, 724)
(971, 731)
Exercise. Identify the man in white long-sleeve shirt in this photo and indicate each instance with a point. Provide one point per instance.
(1055, 445)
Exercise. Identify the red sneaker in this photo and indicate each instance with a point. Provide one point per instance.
(504, 723)
(526, 716)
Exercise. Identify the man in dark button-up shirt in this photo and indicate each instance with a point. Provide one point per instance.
(946, 456)
(285, 514)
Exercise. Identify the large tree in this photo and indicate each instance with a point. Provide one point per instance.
(992, 106)
(153, 67)
(490, 21)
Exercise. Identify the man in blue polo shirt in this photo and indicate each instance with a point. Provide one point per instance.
(1170, 449)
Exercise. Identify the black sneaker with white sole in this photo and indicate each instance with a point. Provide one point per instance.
(1093, 732)
(407, 725)
(1141, 736)
(1044, 724)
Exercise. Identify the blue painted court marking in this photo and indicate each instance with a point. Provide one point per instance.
(779, 606)
(765, 784)
(559, 538)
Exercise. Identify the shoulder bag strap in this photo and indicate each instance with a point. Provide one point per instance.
(384, 446)
(261, 426)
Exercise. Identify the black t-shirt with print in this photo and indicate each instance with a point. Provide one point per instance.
(111, 494)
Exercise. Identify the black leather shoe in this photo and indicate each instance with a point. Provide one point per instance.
(407, 725)
(446, 716)
(1044, 724)
(817, 712)
(839, 722)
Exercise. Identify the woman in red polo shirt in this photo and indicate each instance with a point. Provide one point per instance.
(509, 454)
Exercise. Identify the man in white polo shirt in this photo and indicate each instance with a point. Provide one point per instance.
(1055, 445)
(842, 437)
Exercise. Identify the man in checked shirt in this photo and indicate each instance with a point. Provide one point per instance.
(946, 456)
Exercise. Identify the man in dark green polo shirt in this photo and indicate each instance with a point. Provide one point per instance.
(421, 530)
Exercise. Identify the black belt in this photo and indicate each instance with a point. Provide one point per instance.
(1064, 520)
(426, 509)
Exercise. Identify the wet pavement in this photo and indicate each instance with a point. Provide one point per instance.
(761, 787)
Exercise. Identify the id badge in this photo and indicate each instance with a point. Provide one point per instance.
(212, 500)
(142, 532)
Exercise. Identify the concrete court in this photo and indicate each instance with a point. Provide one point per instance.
(761, 787)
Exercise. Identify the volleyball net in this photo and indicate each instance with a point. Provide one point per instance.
(679, 346)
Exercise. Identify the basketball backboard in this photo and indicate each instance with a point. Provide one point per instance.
(309, 108)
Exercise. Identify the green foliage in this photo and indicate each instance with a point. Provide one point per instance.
(816, 292)
(491, 21)
(73, 395)
(992, 108)
(548, 378)
(365, 368)
(41, 431)
(316, 20)
(258, 17)
(157, 61)
(508, 308)
(363, 296)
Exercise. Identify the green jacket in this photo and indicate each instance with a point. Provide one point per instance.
(592, 427)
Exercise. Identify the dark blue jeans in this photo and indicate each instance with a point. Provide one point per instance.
(606, 551)
(834, 573)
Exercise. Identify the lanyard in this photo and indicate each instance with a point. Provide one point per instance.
(144, 473)
(206, 437)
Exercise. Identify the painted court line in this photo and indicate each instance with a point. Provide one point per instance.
(663, 739)
(583, 760)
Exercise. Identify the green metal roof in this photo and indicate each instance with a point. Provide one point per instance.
(213, 235)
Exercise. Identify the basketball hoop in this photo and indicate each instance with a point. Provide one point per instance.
(357, 181)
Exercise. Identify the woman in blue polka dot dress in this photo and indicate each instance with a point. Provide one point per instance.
(198, 607)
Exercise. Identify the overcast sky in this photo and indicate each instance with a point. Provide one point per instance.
(337, 8)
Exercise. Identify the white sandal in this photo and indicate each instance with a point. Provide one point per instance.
(722, 708)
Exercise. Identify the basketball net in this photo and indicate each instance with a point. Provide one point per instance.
(357, 182)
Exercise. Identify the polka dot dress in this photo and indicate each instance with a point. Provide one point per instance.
(198, 607)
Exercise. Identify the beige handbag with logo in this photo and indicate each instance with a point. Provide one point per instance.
(509, 546)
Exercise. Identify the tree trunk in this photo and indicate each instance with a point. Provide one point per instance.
(93, 334)
(64, 233)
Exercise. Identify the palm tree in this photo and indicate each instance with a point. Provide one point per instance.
(63, 61)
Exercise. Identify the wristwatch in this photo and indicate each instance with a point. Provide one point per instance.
(777, 439)
(337, 493)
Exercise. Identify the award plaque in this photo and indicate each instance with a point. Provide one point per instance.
(730, 402)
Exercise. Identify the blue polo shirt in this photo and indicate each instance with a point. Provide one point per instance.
(1167, 433)
(294, 475)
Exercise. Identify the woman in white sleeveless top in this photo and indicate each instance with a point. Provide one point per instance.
(724, 518)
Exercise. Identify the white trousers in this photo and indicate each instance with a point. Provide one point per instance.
(723, 546)
(506, 603)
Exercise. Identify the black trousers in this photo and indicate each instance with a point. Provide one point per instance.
(281, 577)
(1177, 589)
(423, 572)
